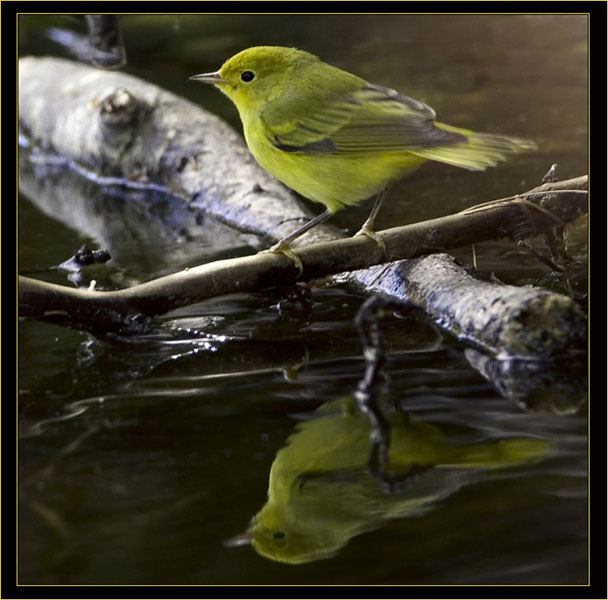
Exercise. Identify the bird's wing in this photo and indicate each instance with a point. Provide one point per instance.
(390, 122)
(368, 119)
(295, 125)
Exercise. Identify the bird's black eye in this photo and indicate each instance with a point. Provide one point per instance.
(278, 535)
(247, 76)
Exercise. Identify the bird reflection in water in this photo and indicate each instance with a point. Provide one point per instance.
(321, 492)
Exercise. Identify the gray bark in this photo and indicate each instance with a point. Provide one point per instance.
(117, 127)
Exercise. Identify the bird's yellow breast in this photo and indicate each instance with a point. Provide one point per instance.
(333, 180)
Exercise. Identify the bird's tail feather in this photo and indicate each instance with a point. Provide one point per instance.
(480, 151)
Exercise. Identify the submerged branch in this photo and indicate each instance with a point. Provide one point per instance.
(104, 311)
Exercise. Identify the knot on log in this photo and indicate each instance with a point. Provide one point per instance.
(119, 109)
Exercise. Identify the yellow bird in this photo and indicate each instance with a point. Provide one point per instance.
(335, 138)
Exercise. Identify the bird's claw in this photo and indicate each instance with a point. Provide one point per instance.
(282, 248)
(372, 235)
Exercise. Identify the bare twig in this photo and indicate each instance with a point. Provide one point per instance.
(104, 311)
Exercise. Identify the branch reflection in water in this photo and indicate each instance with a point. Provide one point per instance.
(360, 462)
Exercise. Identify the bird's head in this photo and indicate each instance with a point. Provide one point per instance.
(257, 75)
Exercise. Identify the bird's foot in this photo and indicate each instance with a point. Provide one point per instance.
(285, 248)
(367, 231)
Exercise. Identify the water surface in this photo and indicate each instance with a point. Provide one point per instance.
(139, 457)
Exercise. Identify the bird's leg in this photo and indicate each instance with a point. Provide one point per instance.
(283, 246)
(288, 239)
(368, 226)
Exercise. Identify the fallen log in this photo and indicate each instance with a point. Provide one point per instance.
(119, 129)
(482, 312)
(516, 320)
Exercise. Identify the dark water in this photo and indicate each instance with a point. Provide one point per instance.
(139, 457)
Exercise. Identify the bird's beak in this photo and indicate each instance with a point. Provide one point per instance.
(243, 539)
(213, 78)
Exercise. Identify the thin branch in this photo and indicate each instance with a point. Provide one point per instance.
(105, 311)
